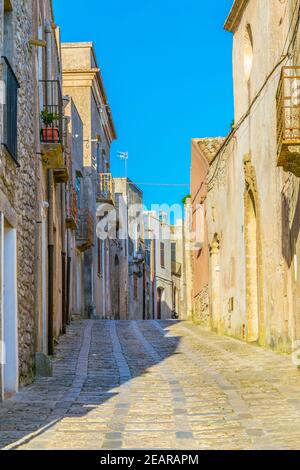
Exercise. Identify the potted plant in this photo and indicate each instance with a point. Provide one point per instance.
(49, 133)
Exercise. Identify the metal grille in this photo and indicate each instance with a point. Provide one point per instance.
(288, 106)
(52, 110)
(85, 230)
(10, 130)
(106, 187)
(72, 212)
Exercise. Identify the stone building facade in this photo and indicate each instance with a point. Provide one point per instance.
(74, 201)
(17, 193)
(44, 185)
(178, 273)
(128, 253)
(202, 152)
(158, 232)
(30, 74)
(252, 183)
(83, 82)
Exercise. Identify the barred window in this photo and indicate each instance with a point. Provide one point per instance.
(10, 109)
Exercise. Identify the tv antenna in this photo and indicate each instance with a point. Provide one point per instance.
(124, 156)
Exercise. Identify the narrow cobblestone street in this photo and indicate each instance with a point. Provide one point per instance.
(151, 385)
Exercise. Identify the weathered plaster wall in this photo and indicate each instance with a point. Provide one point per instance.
(248, 169)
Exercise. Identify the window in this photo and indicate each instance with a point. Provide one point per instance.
(78, 191)
(135, 286)
(10, 102)
(173, 252)
(162, 255)
(9, 97)
(148, 253)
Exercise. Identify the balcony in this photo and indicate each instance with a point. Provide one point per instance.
(106, 188)
(176, 268)
(51, 134)
(9, 98)
(288, 120)
(85, 230)
(72, 210)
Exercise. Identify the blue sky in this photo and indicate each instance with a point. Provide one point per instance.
(166, 66)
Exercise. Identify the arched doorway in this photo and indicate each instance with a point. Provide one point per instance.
(215, 302)
(251, 249)
(160, 292)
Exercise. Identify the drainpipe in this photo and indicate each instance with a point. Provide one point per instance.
(48, 34)
(50, 264)
(69, 264)
(153, 277)
(63, 257)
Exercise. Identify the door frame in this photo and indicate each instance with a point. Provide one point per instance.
(9, 309)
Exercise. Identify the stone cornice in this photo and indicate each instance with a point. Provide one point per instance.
(96, 71)
(235, 15)
(79, 74)
(84, 77)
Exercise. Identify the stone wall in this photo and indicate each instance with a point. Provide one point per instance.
(201, 314)
(18, 184)
(252, 205)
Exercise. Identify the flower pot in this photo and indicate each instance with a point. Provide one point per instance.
(50, 135)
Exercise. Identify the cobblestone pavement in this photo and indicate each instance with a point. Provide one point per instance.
(156, 385)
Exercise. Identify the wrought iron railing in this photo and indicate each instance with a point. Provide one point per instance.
(72, 208)
(85, 229)
(52, 112)
(9, 100)
(288, 107)
(106, 187)
(176, 268)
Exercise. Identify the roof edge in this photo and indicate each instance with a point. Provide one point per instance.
(235, 15)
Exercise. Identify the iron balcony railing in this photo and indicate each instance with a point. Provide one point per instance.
(176, 268)
(9, 100)
(52, 112)
(106, 188)
(288, 107)
(85, 230)
(72, 208)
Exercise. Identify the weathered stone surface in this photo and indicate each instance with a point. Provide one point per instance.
(43, 365)
(18, 184)
(156, 385)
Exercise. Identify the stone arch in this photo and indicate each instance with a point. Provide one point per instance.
(215, 300)
(253, 264)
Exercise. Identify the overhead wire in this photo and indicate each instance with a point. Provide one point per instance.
(244, 117)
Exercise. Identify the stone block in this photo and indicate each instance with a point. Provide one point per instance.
(43, 365)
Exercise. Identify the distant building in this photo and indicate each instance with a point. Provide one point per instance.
(178, 274)
(74, 202)
(83, 82)
(157, 230)
(202, 152)
(128, 254)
